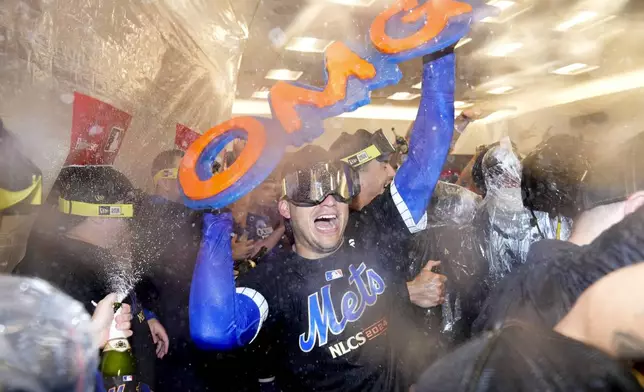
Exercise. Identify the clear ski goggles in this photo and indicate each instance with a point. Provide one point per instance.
(309, 187)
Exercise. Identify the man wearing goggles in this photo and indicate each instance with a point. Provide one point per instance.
(316, 192)
(332, 308)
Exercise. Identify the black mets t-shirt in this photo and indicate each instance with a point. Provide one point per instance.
(334, 323)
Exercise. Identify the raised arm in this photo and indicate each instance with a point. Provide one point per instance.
(430, 142)
(222, 317)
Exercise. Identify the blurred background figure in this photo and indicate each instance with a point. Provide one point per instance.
(20, 195)
(165, 173)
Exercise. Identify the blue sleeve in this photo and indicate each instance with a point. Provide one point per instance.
(222, 317)
(149, 315)
(430, 142)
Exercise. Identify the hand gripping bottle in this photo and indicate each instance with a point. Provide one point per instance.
(117, 363)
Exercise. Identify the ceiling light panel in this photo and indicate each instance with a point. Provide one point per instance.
(504, 50)
(283, 74)
(307, 45)
(500, 90)
(403, 96)
(507, 10)
(575, 69)
(501, 4)
(578, 19)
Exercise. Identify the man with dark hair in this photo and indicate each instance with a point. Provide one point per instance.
(165, 173)
(89, 256)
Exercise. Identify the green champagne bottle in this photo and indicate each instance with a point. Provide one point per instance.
(117, 359)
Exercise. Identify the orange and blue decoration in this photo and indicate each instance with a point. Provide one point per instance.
(408, 29)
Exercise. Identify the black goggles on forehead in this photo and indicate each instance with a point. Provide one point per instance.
(309, 187)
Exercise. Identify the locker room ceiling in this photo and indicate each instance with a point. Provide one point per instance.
(511, 64)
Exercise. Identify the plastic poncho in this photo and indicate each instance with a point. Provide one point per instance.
(452, 239)
(507, 227)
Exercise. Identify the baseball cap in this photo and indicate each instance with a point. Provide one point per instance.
(362, 147)
(95, 191)
(616, 176)
(519, 357)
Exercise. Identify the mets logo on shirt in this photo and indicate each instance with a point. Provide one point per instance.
(323, 318)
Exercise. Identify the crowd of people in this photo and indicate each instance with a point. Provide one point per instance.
(347, 269)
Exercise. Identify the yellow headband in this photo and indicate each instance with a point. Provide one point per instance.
(170, 174)
(363, 156)
(33, 194)
(95, 210)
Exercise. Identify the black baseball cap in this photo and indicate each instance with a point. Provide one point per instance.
(362, 147)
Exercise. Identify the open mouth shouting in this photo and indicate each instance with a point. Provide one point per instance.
(326, 223)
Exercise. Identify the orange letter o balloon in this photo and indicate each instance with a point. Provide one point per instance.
(198, 189)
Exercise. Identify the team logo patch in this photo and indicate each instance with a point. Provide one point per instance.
(333, 275)
(362, 156)
(127, 378)
(109, 211)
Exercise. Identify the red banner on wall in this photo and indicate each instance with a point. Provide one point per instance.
(184, 137)
(98, 130)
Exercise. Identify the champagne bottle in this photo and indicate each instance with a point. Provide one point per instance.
(117, 360)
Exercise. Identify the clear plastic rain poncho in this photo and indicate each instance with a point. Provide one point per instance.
(47, 342)
(451, 238)
(507, 227)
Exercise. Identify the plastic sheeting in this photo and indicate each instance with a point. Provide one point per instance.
(508, 228)
(150, 63)
(56, 353)
(452, 239)
(451, 205)
(163, 62)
